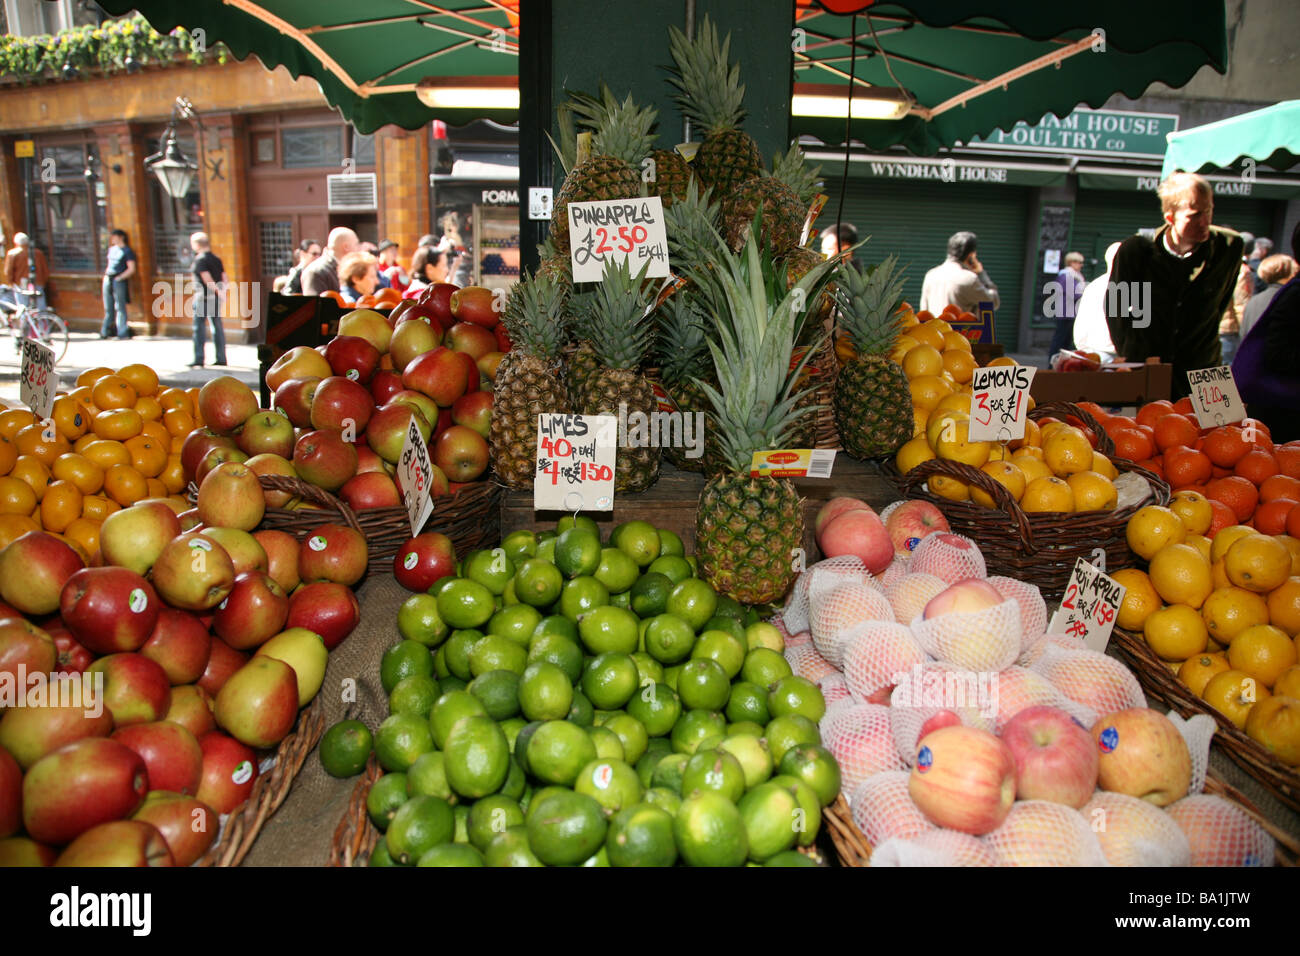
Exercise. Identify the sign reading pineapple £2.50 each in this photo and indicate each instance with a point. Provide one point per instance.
(575, 462)
(415, 477)
(619, 229)
(1215, 398)
(39, 381)
(999, 402)
(1089, 606)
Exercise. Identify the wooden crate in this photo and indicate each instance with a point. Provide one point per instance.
(1146, 383)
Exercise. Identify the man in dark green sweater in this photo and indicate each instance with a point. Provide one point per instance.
(1168, 293)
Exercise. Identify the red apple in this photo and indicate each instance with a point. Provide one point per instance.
(295, 398)
(187, 825)
(413, 338)
(225, 403)
(136, 690)
(861, 533)
(420, 402)
(333, 552)
(386, 383)
(170, 753)
(24, 645)
(73, 657)
(254, 611)
(477, 305)
(273, 465)
(193, 572)
(198, 443)
(281, 557)
(34, 567)
(1141, 753)
(963, 779)
(29, 733)
(437, 301)
(215, 459)
(191, 707)
(503, 338)
(369, 325)
(911, 521)
(223, 660)
(965, 597)
(1055, 757)
(88, 782)
(324, 459)
(306, 653)
(109, 609)
(329, 609)
(118, 843)
(180, 645)
(302, 361)
(231, 497)
(229, 772)
(11, 795)
(387, 432)
(134, 537)
(343, 405)
(266, 433)
(423, 560)
(259, 704)
(374, 489)
(473, 380)
(246, 553)
(439, 374)
(352, 357)
(474, 340)
(367, 460)
(474, 410)
(488, 365)
(461, 453)
(944, 718)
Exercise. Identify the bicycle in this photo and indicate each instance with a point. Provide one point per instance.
(26, 322)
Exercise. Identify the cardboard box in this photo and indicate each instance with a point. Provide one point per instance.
(1137, 386)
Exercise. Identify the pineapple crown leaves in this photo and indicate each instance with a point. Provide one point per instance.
(536, 316)
(691, 222)
(618, 129)
(792, 169)
(682, 341)
(708, 88)
(619, 322)
(868, 302)
(566, 150)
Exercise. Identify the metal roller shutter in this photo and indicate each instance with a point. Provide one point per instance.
(914, 221)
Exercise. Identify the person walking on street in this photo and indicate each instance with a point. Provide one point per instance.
(118, 269)
(308, 252)
(210, 277)
(1064, 300)
(323, 274)
(960, 280)
(390, 269)
(18, 271)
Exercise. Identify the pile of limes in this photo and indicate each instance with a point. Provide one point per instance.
(564, 701)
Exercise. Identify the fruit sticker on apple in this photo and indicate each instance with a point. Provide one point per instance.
(1089, 606)
(415, 477)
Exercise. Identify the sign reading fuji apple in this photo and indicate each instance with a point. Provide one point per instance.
(415, 475)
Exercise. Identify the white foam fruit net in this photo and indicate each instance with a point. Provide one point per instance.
(987, 640)
(1221, 833)
(1033, 609)
(1133, 832)
(877, 653)
(897, 568)
(890, 508)
(1036, 647)
(1019, 687)
(937, 556)
(806, 662)
(1041, 833)
(936, 847)
(1091, 679)
(794, 640)
(835, 691)
(909, 593)
(836, 611)
(928, 690)
(844, 568)
(861, 740)
(1198, 731)
(883, 809)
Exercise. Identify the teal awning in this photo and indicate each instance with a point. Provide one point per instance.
(1270, 136)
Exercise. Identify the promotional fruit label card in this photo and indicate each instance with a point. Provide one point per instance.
(999, 402)
(1089, 606)
(39, 382)
(619, 229)
(415, 477)
(1215, 398)
(793, 463)
(575, 462)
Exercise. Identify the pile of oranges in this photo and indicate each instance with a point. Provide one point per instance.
(1222, 613)
(381, 299)
(113, 440)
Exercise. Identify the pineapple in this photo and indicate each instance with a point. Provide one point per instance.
(528, 381)
(554, 266)
(784, 196)
(710, 93)
(873, 407)
(673, 176)
(683, 356)
(582, 362)
(691, 225)
(620, 332)
(748, 529)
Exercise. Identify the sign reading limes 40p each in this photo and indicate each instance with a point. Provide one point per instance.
(1215, 398)
(999, 402)
(575, 462)
(618, 229)
(415, 477)
(39, 381)
(1089, 606)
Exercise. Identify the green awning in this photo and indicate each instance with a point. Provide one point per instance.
(1270, 136)
(367, 57)
(1236, 187)
(1016, 60)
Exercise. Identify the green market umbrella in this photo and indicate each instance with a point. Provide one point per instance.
(367, 57)
(1270, 136)
(973, 68)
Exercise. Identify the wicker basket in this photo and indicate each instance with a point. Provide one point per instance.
(1039, 548)
(819, 375)
(1287, 851)
(269, 791)
(1164, 686)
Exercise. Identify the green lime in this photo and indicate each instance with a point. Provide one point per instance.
(581, 713)
(599, 858)
(694, 601)
(545, 692)
(608, 744)
(516, 780)
(460, 812)
(770, 814)
(511, 849)
(428, 775)
(498, 692)
(492, 569)
(670, 801)
(648, 670)
(557, 750)
(380, 856)
(385, 796)
(730, 607)
(714, 770)
(519, 545)
(449, 683)
(703, 685)
(815, 766)
(440, 668)
(449, 709)
(400, 739)
(404, 659)
(608, 629)
(694, 726)
(457, 650)
(555, 625)
(565, 828)
(726, 649)
(517, 622)
(641, 835)
(645, 767)
(519, 749)
(511, 727)
(671, 674)
(669, 638)
(510, 596)
(668, 772)
(764, 667)
(790, 858)
(610, 680)
(491, 815)
(762, 634)
(478, 757)
(418, 620)
(631, 732)
(451, 854)
(493, 652)
(670, 543)
(345, 748)
(414, 695)
(720, 622)
(793, 730)
(674, 567)
(753, 755)
(577, 552)
(659, 745)
(650, 594)
(747, 702)
(616, 570)
(582, 595)
(710, 832)
(744, 727)
(611, 783)
(796, 695)
(657, 707)
(420, 823)
(639, 540)
(546, 546)
(614, 534)
(464, 603)
(559, 651)
(809, 820)
(623, 599)
(585, 522)
(538, 583)
(436, 588)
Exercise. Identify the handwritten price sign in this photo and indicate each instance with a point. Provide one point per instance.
(575, 462)
(39, 379)
(630, 230)
(999, 402)
(415, 477)
(1215, 398)
(1089, 607)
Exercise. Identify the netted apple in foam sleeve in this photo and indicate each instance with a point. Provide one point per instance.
(1033, 609)
(877, 653)
(838, 611)
(883, 809)
(1221, 833)
(1041, 833)
(964, 779)
(952, 557)
(861, 741)
(971, 625)
(1091, 679)
(934, 848)
(841, 569)
(1134, 833)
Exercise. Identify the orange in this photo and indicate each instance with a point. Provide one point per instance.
(1152, 412)
(1225, 445)
(32, 472)
(117, 424)
(84, 532)
(13, 420)
(15, 526)
(1102, 466)
(1224, 517)
(113, 391)
(36, 442)
(918, 422)
(1293, 523)
(125, 485)
(1000, 360)
(149, 409)
(959, 364)
(999, 452)
(1219, 575)
(148, 456)
(98, 507)
(927, 390)
(953, 341)
(8, 455)
(60, 506)
(106, 453)
(1153, 527)
(1202, 544)
(1184, 466)
(1230, 610)
(1279, 486)
(1194, 509)
(178, 421)
(170, 398)
(1153, 465)
(923, 360)
(173, 475)
(92, 375)
(1256, 434)
(1050, 494)
(1237, 493)
(1289, 683)
(912, 453)
(1131, 444)
(1288, 459)
(193, 395)
(71, 418)
(954, 444)
(950, 488)
(902, 345)
(1180, 575)
(1292, 545)
(1275, 723)
(1284, 606)
(927, 334)
(1031, 467)
(1270, 517)
(937, 423)
(1232, 693)
(1256, 467)
(1199, 668)
(1175, 632)
(1004, 473)
(1067, 451)
(1173, 429)
(1263, 652)
(158, 433)
(140, 377)
(1140, 598)
(80, 470)
(83, 396)
(16, 496)
(1257, 563)
(1092, 491)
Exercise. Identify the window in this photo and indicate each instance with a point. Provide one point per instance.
(275, 242)
(174, 220)
(363, 149)
(66, 194)
(263, 148)
(312, 146)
